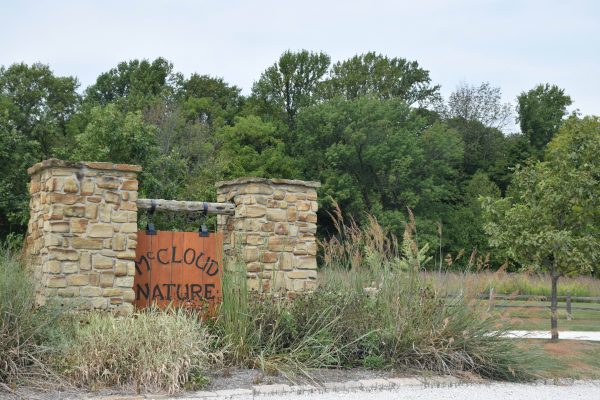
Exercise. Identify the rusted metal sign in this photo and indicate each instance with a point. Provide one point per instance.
(178, 268)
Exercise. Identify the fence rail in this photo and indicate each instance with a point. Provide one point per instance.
(492, 298)
(533, 297)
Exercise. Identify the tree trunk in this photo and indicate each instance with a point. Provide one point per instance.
(554, 306)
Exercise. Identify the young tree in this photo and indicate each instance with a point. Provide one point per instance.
(550, 219)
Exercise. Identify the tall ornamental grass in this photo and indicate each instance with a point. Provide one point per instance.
(402, 320)
(372, 308)
(264, 331)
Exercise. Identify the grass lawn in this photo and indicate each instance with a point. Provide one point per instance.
(564, 359)
(526, 318)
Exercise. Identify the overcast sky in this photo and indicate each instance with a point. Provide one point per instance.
(511, 44)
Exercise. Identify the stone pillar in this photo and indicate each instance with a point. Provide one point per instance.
(82, 233)
(273, 231)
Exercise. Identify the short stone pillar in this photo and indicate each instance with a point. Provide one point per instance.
(273, 230)
(82, 233)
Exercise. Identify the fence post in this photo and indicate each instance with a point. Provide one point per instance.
(491, 299)
(569, 311)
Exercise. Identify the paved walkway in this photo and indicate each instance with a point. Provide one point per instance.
(411, 389)
(569, 335)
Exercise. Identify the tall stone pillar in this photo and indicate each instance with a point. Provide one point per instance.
(273, 230)
(82, 233)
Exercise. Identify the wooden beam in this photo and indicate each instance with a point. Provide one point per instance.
(186, 206)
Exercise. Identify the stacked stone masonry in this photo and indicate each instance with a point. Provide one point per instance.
(273, 231)
(82, 233)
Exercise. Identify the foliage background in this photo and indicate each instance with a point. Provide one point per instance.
(373, 129)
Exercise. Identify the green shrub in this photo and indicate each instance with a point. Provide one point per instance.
(23, 328)
(152, 350)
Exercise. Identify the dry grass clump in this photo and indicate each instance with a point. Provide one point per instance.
(150, 351)
(23, 328)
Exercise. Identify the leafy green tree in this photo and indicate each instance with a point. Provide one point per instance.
(124, 137)
(38, 105)
(463, 222)
(550, 220)
(116, 136)
(485, 147)
(210, 100)
(541, 111)
(17, 153)
(289, 85)
(252, 147)
(36, 108)
(515, 150)
(189, 143)
(378, 156)
(376, 75)
(135, 84)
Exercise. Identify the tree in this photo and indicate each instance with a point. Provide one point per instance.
(484, 146)
(290, 84)
(252, 147)
(210, 100)
(38, 105)
(17, 153)
(36, 109)
(379, 156)
(134, 84)
(124, 137)
(115, 136)
(375, 75)
(481, 103)
(540, 113)
(463, 227)
(550, 220)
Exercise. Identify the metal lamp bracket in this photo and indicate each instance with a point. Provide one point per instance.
(203, 231)
(150, 230)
